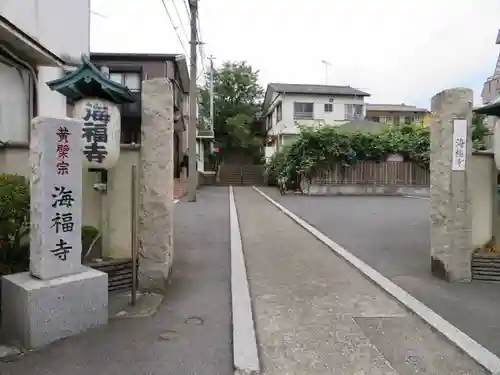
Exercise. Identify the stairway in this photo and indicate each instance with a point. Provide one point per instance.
(231, 174)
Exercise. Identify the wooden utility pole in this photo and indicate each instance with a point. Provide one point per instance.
(193, 100)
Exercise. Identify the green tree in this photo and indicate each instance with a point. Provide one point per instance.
(479, 131)
(237, 99)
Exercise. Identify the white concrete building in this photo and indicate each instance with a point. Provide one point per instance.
(38, 38)
(289, 106)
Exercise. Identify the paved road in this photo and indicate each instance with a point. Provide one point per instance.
(391, 234)
(199, 287)
(316, 314)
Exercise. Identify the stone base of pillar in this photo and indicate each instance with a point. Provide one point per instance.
(37, 312)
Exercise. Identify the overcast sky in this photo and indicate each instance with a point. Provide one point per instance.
(400, 51)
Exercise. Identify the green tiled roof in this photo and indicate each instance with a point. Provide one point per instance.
(490, 109)
(88, 82)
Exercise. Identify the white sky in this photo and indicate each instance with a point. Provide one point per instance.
(397, 50)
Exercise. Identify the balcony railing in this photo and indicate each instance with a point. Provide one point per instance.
(303, 115)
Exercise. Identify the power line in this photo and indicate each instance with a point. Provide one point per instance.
(180, 19)
(200, 47)
(186, 6)
(199, 39)
(175, 27)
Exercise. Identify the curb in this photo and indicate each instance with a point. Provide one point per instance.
(245, 353)
(472, 348)
(416, 197)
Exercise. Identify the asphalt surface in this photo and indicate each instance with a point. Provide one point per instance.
(169, 343)
(391, 234)
(316, 314)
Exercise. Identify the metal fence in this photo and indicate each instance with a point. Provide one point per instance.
(370, 172)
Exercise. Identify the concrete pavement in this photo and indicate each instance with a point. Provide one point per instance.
(191, 332)
(316, 314)
(391, 234)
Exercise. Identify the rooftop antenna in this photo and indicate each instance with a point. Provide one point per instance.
(497, 67)
(327, 65)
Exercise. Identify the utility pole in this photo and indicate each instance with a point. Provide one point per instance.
(212, 116)
(193, 100)
(327, 65)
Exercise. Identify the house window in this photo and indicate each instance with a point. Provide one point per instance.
(375, 119)
(269, 122)
(328, 107)
(132, 80)
(353, 111)
(279, 112)
(408, 120)
(303, 111)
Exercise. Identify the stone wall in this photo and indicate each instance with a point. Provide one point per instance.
(368, 189)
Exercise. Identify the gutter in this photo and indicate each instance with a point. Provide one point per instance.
(19, 35)
(271, 105)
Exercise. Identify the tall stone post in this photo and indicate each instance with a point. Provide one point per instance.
(451, 216)
(156, 179)
(58, 297)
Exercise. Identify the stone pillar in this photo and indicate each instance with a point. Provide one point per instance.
(451, 216)
(156, 179)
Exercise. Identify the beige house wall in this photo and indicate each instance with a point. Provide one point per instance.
(482, 180)
(14, 160)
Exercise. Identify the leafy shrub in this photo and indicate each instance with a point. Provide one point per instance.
(90, 237)
(14, 223)
(320, 148)
(275, 165)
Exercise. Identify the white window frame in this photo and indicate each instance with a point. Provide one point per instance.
(350, 113)
(121, 78)
(279, 112)
(303, 115)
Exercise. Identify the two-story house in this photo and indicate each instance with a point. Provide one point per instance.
(130, 69)
(289, 106)
(396, 114)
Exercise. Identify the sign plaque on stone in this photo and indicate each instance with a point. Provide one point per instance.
(56, 197)
(459, 155)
